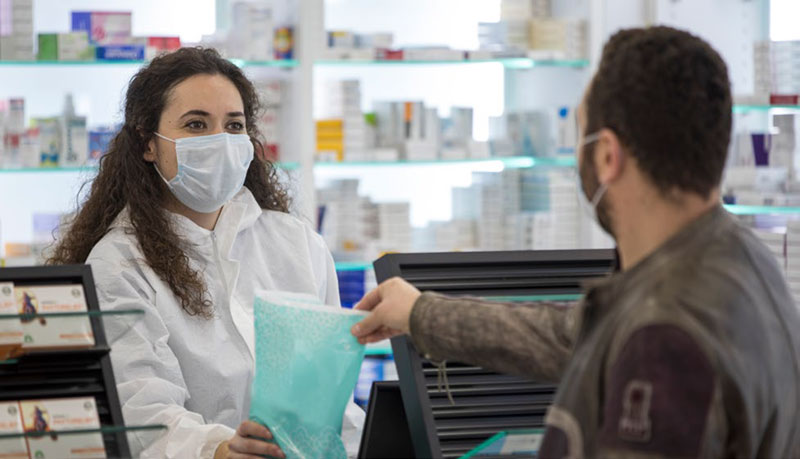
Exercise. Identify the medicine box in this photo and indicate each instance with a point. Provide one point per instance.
(120, 53)
(10, 329)
(104, 28)
(11, 423)
(59, 415)
(73, 46)
(52, 331)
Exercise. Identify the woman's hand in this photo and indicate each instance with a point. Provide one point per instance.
(248, 444)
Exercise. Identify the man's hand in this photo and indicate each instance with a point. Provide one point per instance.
(391, 304)
(248, 444)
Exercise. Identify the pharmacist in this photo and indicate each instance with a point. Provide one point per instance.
(183, 222)
(692, 348)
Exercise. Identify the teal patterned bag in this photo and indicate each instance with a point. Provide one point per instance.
(307, 365)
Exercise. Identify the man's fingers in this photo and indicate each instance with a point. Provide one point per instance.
(254, 429)
(369, 301)
(380, 334)
(367, 326)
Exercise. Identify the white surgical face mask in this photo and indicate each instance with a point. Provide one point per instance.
(211, 169)
(590, 207)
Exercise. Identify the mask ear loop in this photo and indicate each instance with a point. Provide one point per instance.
(156, 165)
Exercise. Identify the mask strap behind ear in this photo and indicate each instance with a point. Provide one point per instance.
(165, 138)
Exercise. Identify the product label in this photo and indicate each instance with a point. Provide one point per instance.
(54, 331)
(52, 416)
(11, 423)
(10, 329)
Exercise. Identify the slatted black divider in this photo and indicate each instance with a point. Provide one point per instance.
(67, 373)
(485, 402)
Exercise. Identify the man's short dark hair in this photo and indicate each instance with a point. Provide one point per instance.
(666, 95)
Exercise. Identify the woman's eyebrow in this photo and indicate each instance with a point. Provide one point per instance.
(195, 112)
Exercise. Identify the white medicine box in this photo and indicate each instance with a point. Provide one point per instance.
(10, 328)
(61, 415)
(11, 423)
(53, 331)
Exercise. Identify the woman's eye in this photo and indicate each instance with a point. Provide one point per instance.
(196, 125)
(236, 126)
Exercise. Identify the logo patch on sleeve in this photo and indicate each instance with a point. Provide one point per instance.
(634, 424)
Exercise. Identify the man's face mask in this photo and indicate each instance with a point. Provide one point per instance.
(592, 190)
(307, 366)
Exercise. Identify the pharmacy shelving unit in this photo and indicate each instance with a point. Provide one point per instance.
(64, 373)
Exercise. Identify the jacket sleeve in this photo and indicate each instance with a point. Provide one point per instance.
(148, 375)
(528, 339)
(328, 288)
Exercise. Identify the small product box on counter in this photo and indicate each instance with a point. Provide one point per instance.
(10, 329)
(11, 423)
(120, 53)
(104, 28)
(59, 415)
(50, 332)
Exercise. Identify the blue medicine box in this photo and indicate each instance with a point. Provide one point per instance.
(120, 53)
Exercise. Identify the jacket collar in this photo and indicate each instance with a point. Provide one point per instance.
(239, 214)
(677, 249)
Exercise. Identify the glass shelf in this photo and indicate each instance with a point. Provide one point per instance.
(511, 63)
(288, 166)
(101, 430)
(114, 324)
(283, 63)
(511, 162)
(68, 63)
(48, 170)
(762, 108)
(28, 317)
(738, 209)
(353, 265)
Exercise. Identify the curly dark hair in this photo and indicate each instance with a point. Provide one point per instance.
(125, 179)
(666, 95)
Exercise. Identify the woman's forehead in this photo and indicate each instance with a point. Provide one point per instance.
(209, 93)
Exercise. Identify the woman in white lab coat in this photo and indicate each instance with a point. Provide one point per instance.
(185, 220)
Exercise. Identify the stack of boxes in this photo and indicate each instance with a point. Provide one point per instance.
(407, 131)
(16, 30)
(271, 95)
(498, 196)
(776, 73)
(347, 220)
(558, 39)
(521, 134)
(527, 29)
(101, 35)
(394, 227)
(252, 31)
(785, 69)
(346, 130)
(348, 45)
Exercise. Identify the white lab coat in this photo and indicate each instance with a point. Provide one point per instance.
(194, 374)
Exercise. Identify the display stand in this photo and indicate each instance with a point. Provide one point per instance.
(485, 403)
(70, 372)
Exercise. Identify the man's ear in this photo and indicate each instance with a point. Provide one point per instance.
(609, 157)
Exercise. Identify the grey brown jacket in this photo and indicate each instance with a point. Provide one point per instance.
(693, 352)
